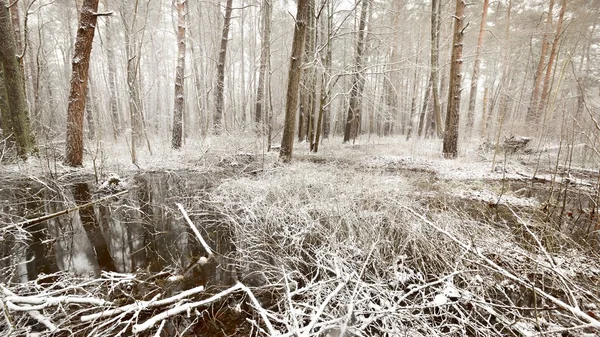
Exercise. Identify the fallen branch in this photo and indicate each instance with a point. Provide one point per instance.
(182, 308)
(575, 311)
(194, 229)
(143, 305)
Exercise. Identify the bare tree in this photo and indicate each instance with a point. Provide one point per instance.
(14, 87)
(179, 76)
(476, 66)
(112, 74)
(353, 119)
(291, 105)
(219, 92)
(450, 148)
(265, 55)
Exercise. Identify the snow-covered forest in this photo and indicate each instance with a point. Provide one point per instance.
(299, 167)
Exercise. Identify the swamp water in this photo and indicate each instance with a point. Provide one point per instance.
(140, 232)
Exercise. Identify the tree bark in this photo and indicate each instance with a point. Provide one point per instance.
(219, 92)
(450, 148)
(179, 76)
(436, 9)
(14, 85)
(476, 66)
(265, 56)
(287, 141)
(549, 68)
(353, 118)
(532, 111)
(324, 91)
(79, 82)
(112, 76)
(5, 123)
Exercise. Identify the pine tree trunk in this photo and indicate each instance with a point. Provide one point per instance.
(532, 111)
(219, 92)
(265, 56)
(549, 68)
(351, 128)
(436, 8)
(476, 66)
(14, 85)
(179, 76)
(79, 82)
(450, 148)
(89, 112)
(291, 105)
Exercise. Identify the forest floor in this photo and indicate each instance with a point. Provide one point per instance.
(381, 237)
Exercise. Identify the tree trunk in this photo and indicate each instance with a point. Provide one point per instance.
(5, 123)
(324, 89)
(179, 76)
(265, 56)
(79, 82)
(219, 92)
(450, 148)
(353, 118)
(549, 68)
(328, 58)
(89, 111)
(476, 65)
(112, 76)
(436, 9)
(390, 82)
(14, 85)
(532, 111)
(287, 140)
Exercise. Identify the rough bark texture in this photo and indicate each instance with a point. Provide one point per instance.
(353, 118)
(265, 55)
(450, 148)
(532, 111)
(89, 112)
(551, 59)
(435, 86)
(79, 82)
(219, 97)
(179, 77)
(14, 85)
(291, 105)
(433, 81)
(476, 65)
(5, 123)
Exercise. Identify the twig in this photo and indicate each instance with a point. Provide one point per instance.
(575, 311)
(261, 311)
(194, 229)
(183, 308)
(315, 318)
(143, 304)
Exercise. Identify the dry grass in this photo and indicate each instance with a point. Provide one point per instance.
(368, 239)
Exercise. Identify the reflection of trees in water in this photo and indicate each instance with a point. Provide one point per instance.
(143, 230)
(93, 230)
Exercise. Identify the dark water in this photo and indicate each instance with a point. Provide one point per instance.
(140, 231)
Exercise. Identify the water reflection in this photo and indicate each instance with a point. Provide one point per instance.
(142, 230)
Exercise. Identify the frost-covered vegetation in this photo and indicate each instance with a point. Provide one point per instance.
(376, 238)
